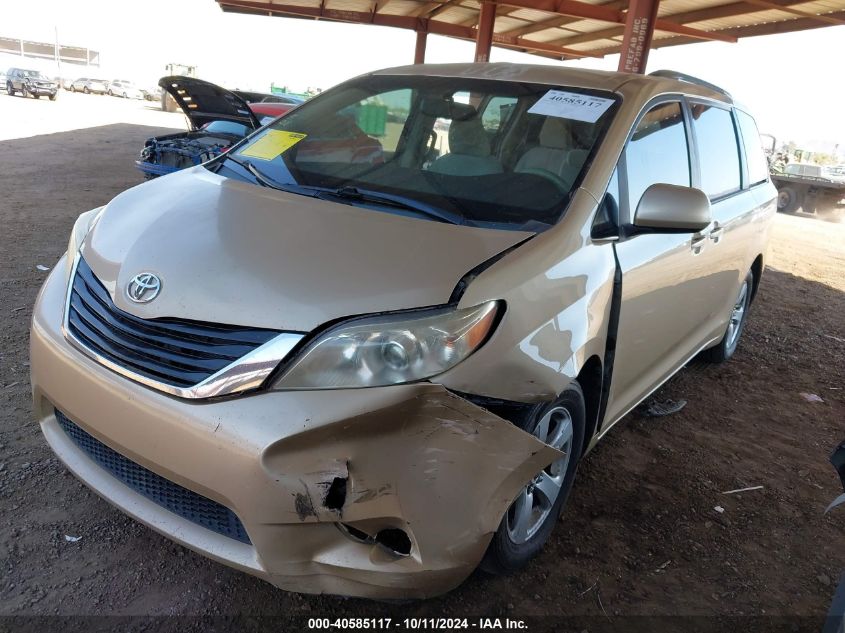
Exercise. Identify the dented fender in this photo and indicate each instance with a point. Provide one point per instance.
(435, 465)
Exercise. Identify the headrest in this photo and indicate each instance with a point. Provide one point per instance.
(468, 138)
(555, 133)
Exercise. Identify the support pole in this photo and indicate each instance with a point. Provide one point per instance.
(419, 51)
(484, 36)
(639, 30)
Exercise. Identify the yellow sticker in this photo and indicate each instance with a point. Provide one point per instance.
(272, 144)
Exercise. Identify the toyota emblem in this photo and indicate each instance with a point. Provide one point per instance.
(143, 287)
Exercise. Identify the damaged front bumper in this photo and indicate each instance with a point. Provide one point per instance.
(389, 492)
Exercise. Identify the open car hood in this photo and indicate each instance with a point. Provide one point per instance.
(203, 102)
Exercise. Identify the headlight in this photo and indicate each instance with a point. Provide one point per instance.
(389, 350)
(83, 225)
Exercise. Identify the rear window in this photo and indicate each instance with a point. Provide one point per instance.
(488, 152)
(718, 152)
(758, 166)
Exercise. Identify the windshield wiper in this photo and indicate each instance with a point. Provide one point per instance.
(266, 181)
(353, 194)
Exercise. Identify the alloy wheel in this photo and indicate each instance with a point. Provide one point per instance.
(737, 314)
(534, 503)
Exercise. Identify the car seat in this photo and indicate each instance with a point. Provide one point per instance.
(469, 153)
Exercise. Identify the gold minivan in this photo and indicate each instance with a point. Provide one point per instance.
(363, 351)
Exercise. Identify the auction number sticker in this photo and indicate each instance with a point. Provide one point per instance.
(272, 144)
(571, 105)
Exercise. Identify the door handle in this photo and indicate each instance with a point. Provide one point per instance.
(716, 234)
(697, 242)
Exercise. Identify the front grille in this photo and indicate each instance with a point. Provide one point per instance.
(173, 497)
(171, 351)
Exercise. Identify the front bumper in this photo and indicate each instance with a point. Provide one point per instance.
(42, 91)
(410, 457)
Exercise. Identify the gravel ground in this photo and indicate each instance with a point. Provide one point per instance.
(640, 537)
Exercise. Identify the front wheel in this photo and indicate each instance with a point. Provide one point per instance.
(530, 519)
(86, 90)
(739, 313)
(10, 89)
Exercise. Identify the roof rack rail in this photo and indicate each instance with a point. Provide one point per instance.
(674, 74)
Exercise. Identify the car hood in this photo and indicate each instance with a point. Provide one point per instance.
(203, 102)
(231, 252)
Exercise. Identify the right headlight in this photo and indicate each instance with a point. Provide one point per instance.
(390, 350)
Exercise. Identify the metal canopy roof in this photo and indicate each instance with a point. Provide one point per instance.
(565, 29)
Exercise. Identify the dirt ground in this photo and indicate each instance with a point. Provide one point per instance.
(641, 536)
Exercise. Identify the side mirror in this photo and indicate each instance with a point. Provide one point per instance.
(671, 208)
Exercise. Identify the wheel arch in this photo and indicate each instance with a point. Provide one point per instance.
(590, 378)
(757, 271)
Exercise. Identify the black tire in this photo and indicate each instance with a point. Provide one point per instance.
(24, 92)
(10, 89)
(730, 341)
(504, 555)
(809, 205)
(86, 90)
(72, 88)
(789, 199)
(53, 97)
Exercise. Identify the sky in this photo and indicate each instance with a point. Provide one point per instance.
(790, 82)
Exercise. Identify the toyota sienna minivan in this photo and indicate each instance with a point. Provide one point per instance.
(363, 351)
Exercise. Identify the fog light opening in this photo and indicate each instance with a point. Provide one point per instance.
(395, 540)
(336, 494)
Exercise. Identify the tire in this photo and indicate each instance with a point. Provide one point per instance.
(10, 89)
(736, 324)
(789, 199)
(125, 96)
(55, 96)
(809, 205)
(72, 88)
(86, 90)
(513, 546)
(24, 92)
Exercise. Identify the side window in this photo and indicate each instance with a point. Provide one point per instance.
(718, 152)
(657, 151)
(758, 166)
(383, 117)
(497, 112)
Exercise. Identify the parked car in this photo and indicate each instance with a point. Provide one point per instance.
(368, 372)
(86, 85)
(217, 120)
(124, 88)
(30, 82)
(153, 93)
(2, 79)
(268, 97)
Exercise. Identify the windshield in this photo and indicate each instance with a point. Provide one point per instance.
(487, 152)
(35, 74)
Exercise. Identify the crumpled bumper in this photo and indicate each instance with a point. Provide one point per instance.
(314, 477)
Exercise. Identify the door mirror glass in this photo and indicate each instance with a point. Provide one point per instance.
(666, 207)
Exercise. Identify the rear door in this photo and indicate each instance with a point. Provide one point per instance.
(665, 284)
(729, 241)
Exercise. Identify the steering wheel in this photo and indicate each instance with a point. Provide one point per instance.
(556, 180)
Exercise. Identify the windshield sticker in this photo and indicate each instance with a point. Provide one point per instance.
(272, 144)
(571, 105)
